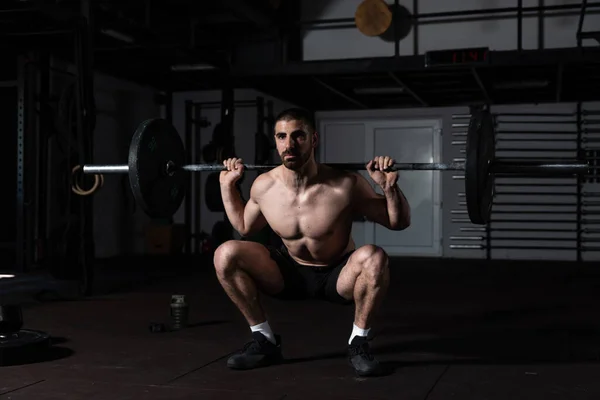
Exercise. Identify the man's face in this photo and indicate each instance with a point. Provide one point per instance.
(294, 143)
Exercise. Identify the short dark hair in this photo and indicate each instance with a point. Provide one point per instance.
(298, 114)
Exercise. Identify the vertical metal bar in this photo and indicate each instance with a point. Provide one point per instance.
(395, 16)
(227, 109)
(267, 128)
(292, 42)
(488, 241)
(34, 163)
(270, 118)
(260, 127)
(520, 24)
(26, 171)
(83, 268)
(197, 183)
(21, 126)
(193, 26)
(415, 11)
(45, 119)
(559, 81)
(227, 119)
(488, 226)
(541, 25)
(30, 161)
(148, 13)
(283, 49)
(580, 23)
(291, 34)
(189, 105)
(260, 114)
(169, 106)
(29, 155)
(580, 155)
(484, 91)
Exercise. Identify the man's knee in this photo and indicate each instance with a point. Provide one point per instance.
(373, 262)
(226, 256)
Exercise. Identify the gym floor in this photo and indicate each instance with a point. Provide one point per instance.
(449, 329)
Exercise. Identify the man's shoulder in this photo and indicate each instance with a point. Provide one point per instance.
(338, 176)
(263, 182)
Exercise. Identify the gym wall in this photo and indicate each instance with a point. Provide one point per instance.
(325, 41)
(120, 107)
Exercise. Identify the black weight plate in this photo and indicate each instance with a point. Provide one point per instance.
(11, 319)
(212, 193)
(487, 145)
(480, 152)
(22, 346)
(154, 144)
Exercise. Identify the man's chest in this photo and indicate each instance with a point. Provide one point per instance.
(312, 213)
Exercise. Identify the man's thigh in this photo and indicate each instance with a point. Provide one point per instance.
(336, 277)
(349, 273)
(295, 283)
(254, 259)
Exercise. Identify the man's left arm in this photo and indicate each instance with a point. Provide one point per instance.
(390, 209)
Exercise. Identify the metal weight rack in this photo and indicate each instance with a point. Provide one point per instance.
(194, 122)
(588, 123)
(544, 213)
(460, 126)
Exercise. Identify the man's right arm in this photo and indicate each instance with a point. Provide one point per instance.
(246, 219)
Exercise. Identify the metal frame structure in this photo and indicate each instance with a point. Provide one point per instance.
(34, 127)
(483, 14)
(547, 76)
(569, 218)
(194, 122)
(554, 75)
(23, 239)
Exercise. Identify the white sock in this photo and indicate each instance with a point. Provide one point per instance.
(356, 331)
(265, 329)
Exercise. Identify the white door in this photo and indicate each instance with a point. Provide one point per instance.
(349, 140)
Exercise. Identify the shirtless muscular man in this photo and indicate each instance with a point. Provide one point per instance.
(311, 207)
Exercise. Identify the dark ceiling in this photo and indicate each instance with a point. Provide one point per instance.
(256, 44)
(145, 36)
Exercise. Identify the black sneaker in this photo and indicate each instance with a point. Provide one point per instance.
(260, 352)
(361, 358)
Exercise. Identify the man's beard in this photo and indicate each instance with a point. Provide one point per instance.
(297, 162)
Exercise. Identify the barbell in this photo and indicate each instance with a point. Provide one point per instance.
(158, 173)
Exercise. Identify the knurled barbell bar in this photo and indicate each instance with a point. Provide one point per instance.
(158, 179)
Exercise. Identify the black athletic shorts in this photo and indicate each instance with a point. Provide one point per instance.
(306, 282)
